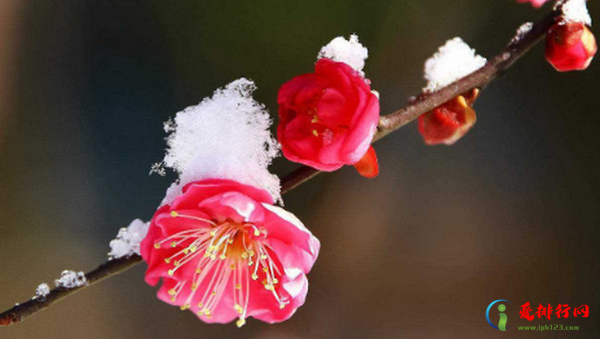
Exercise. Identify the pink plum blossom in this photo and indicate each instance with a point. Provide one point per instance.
(328, 118)
(224, 251)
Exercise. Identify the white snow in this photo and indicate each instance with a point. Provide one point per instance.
(226, 136)
(349, 51)
(159, 169)
(521, 31)
(70, 279)
(451, 62)
(42, 291)
(128, 240)
(576, 11)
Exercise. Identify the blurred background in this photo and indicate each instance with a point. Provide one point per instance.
(509, 212)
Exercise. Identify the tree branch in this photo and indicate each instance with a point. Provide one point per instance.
(387, 124)
(106, 270)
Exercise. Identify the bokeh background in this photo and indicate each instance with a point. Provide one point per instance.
(510, 212)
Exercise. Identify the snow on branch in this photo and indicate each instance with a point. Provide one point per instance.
(128, 240)
(70, 279)
(452, 61)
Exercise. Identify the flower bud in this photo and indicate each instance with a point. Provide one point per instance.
(448, 122)
(570, 46)
(368, 165)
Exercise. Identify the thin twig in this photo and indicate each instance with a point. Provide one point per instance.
(106, 270)
(387, 124)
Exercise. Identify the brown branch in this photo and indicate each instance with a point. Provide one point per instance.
(387, 124)
(106, 270)
(479, 79)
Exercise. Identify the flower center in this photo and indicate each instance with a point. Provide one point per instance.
(220, 253)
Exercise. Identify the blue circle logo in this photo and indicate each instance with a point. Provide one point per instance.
(503, 317)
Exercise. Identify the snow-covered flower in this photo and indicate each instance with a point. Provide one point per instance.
(327, 119)
(224, 251)
(448, 122)
(220, 246)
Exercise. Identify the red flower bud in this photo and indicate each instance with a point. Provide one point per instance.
(570, 46)
(368, 166)
(447, 123)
